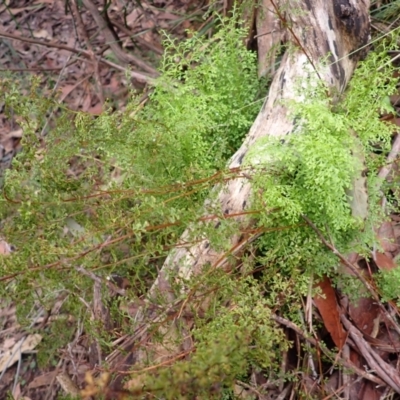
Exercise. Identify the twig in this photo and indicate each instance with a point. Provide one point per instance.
(17, 374)
(141, 41)
(35, 69)
(141, 77)
(384, 370)
(142, 330)
(328, 353)
(52, 93)
(285, 391)
(111, 40)
(179, 356)
(343, 388)
(90, 49)
(355, 270)
(98, 280)
(251, 388)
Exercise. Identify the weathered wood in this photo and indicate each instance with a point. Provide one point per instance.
(270, 34)
(322, 29)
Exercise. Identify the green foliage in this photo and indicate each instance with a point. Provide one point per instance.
(352, 287)
(59, 333)
(389, 283)
(111, 195)
(200, 110)
(247, 320)
(119, 176)
(313, 171)
(236, 333)
(387, 11)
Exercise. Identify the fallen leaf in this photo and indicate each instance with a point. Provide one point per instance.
(25, 345)
(95, 110)
(363, 313)
(329, 310)
(386, 237)
(16, 393)
(133, 17)
(242, 393)
(7, 344)
(384, 261)
(370, 391)
(42, 380)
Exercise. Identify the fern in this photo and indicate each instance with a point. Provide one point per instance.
(112, 195)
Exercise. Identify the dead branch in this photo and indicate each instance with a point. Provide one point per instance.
(342, 361)
(384, 370)
(122, 57)
(141, 77)
(84, 35)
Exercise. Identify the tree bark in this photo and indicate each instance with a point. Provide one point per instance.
(336, 30)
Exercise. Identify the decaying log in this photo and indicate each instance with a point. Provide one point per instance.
(314, 29)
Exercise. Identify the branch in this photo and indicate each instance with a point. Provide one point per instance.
(114, 45)
(141, 77)
(328, 353)
(384, 370)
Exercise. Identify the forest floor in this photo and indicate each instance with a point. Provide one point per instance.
(66, 45)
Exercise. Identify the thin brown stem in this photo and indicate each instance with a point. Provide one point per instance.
(327, 352)
(141, 77)
(89, 47)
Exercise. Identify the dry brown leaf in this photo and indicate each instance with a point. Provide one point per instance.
(133, 17)
(95, 110)
(42, 380)
(25, 345)
(242, 393)
(384, 261)
(7, 344)
(95, 386)
(364, 313)
(65, 90)
(16, 393)
(87, 102)
(370, 391)
(329, 310)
